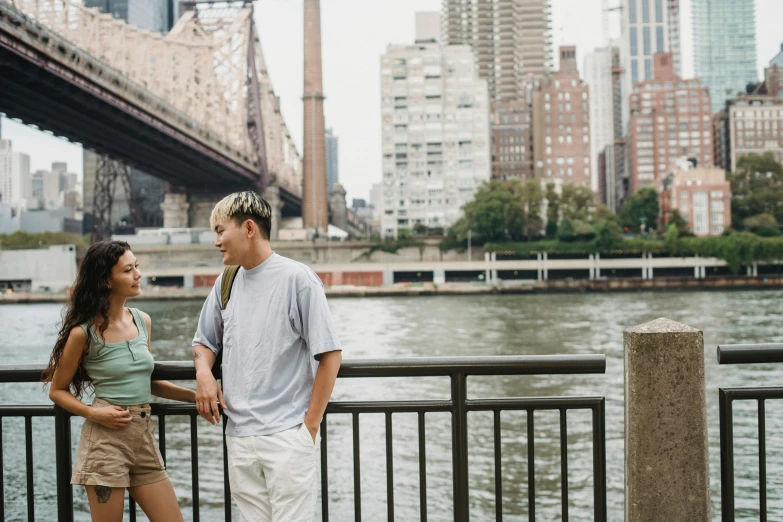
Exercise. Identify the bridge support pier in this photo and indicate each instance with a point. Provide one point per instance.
(193, 210)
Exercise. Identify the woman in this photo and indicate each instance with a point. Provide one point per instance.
(106, 346)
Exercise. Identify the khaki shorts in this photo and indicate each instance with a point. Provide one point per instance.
(122, 458)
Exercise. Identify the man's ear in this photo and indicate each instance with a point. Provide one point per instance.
(250, 227)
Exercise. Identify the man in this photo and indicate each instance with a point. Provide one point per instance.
(274, 330)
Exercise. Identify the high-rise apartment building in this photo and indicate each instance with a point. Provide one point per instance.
(647, 27)
(332, 160)
(600, 75)
(670, 118)
(561, 125)
(15, 182)
(435, 133)
(724, 47)
(512, 40)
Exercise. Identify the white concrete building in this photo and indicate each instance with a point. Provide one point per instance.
(598, 77)
(435, 131)
(15, 181)
(46, 269)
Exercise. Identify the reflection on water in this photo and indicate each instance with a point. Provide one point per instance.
(439, 326)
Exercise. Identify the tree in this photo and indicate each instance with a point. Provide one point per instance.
(532, 200)
(676, 219)
(552, 209)
(565, 231)
(640, 207)
(608, 234)
(577, 202)
(756, 188)
(495, 214)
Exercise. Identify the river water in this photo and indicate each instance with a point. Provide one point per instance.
(446, 326)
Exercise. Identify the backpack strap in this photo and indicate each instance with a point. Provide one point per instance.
(229, 274)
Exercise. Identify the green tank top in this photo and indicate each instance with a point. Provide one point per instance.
(121, 372)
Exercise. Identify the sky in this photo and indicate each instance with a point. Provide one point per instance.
(354, 35)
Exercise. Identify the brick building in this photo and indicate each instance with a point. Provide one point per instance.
(701, 195)
(670, 118)
(561, 124)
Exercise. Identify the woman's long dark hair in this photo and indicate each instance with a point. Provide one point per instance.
(89, 299)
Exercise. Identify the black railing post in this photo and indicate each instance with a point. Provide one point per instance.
(459, 441)
(726, 457)
(599, 460)
(62, 445)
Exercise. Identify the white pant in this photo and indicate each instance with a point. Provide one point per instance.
(274, 478)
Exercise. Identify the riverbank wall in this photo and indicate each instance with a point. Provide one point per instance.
(159, 293)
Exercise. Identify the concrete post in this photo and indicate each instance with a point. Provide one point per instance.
(597, 266)
(591, 264)
(649, 266)
(388, 277)
(187, 281)
(755, 269)
(546, 270)
(272, 196)
(439, 277)
(666, 463)
(540, 267)
(487, 271)
(493, 258)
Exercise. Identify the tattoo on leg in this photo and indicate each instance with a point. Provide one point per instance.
(103, 493)
(196, 355)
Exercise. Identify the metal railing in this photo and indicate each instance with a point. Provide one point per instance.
(744, 354)
(458, 404)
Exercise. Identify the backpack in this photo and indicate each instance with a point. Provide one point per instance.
(226, 283)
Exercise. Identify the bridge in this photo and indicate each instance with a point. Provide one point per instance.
(195, 107)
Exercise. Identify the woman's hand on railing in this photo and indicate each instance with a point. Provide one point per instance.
(112, 417)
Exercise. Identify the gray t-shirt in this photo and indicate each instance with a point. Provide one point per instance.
(276, 325)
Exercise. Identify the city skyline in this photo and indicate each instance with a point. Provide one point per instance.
(354, 112)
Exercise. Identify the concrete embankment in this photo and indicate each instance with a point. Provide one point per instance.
(158, 293)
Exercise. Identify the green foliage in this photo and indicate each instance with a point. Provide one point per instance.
(24, 240)
(764, 220)
(756, 188)
(565, 231)
(676, 219)
(577, 202)
(551, 229)
(643, 205)
(608, 235)
(553, 207)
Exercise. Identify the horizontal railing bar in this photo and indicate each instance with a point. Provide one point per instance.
(401, 367)
(533, 403)
(739, 394)
(389, 406)
(750, 353)
(26, 410)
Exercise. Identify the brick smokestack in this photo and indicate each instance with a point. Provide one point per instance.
(315, 212)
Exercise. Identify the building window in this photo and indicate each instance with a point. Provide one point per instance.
(645, 11)
(659, 39)
(717, 219)
(634, 71)
(646, 43)
(659, 11)
(717, 230)
(632, 11)
(648, 68)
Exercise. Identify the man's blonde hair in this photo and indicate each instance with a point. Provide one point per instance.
(242, 206)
